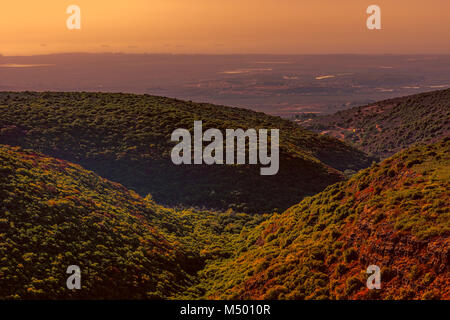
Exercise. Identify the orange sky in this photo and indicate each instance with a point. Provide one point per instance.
(225, 26)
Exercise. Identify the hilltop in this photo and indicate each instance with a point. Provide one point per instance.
(126, 138)
(395, 214)
(387, 127)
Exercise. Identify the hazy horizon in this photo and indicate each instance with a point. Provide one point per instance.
(224, 27)
(225, 54)
(284, 85)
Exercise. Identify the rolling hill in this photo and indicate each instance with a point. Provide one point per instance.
(395, 214)
(389, 126)
(54, 214)
(126, 138)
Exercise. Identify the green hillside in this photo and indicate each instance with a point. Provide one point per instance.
(395, 215)
(54, 214)
(386, 127)
(126, 138)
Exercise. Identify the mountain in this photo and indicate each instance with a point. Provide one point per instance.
(126, 138)
(395, 215)
(54, 214)
(389, 126)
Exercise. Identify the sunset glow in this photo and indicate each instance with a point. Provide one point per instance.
(233, 26)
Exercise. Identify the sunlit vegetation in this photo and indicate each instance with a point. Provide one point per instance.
(389, 126)
(395, 215)
(54, 214)
(126, 138)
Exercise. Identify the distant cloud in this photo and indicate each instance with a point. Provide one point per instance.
(16, 65)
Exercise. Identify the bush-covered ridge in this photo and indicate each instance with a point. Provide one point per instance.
(54, 214)
(395, 215)
(126, 138)
(389, 126)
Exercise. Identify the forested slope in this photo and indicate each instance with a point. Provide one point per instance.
(126, 138)
(386, 127)
(395, 215)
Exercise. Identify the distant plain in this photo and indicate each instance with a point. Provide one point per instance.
(283, 85)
